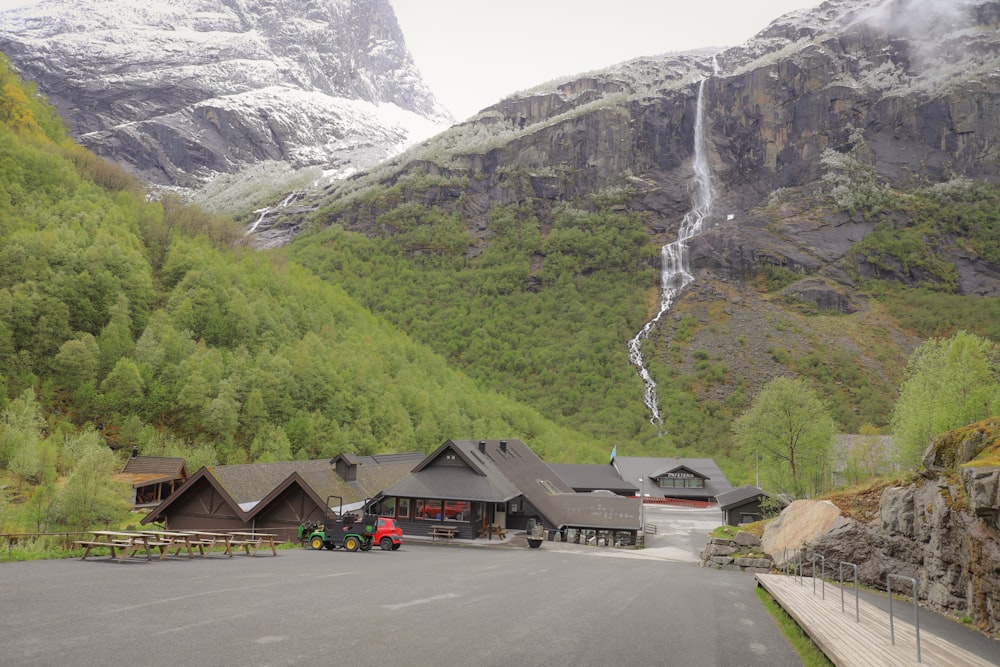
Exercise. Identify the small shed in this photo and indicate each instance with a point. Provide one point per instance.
(153, 478)
(743, 505)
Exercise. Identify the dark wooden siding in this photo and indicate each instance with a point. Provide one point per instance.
(734, 513)
(286, 512)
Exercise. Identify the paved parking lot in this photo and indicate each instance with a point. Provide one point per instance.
(422, 605)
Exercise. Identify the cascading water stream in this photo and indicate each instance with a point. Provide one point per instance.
(675, 274)
(271, 209)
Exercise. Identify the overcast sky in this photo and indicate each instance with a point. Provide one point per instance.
(474, 52)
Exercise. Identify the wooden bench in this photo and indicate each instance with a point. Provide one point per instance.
(251, 542)
(443, 531)
(114, 541)
(494, 529)
(206, 543)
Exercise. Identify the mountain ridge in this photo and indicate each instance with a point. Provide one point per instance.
(179, 92)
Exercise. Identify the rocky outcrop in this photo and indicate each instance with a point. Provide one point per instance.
(925, 531)
(941, 530)
(837, 90)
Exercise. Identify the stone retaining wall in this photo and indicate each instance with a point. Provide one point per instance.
(742, 553)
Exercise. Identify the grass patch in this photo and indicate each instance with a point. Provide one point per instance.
(725, 532)
(807, 651)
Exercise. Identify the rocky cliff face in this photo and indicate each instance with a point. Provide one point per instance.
(942, 529)
(182, 91)
(856, 88)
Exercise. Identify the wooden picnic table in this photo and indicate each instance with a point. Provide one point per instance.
(253, 541)
(494, 529)
(172, 539)
(207, 541)
(443, 531)
(128, 543)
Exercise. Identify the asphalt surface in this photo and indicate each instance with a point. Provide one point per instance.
(421, 605)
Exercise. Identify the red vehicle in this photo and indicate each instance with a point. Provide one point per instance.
(388, 535)
(453, 509)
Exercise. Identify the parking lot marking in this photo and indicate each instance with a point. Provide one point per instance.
(434, 598)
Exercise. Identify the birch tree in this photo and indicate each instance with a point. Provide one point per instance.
(949, 383)
(789, 432)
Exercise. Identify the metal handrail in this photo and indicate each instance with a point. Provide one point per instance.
(857, 604)
(822, 573)
(916, 608)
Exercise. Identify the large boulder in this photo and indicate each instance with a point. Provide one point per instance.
(799, 524)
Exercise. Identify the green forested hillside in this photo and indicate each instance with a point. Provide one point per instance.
(139, 323)
(145, 323)
(553, 338)
(540, 305)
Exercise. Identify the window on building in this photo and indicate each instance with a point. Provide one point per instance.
(387, 507)
(682, 483)
(404, 508)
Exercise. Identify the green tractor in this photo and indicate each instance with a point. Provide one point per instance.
(350, 531)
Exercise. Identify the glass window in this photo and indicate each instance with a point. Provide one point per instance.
(432, 509)
(404, 508)
(428, 509)
(456, 510)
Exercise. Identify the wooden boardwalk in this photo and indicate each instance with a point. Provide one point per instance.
(849, 643)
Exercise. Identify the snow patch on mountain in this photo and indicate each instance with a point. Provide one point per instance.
(182, 91)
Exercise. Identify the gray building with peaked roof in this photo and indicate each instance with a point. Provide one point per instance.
(475, 484)
(682, 479)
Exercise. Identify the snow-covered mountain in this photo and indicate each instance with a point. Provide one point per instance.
(180, 91)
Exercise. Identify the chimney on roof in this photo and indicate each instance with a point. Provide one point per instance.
(135, 452)
(503, 445)
(482, 446)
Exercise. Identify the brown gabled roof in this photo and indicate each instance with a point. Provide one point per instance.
(292, 480)
(155, 467)
(246, 485)
(250, 482)
(203, 476)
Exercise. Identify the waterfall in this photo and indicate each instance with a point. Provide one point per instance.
(674, 273)
(271, 209)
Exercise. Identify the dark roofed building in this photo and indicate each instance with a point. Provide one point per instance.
(153, 478)
(277, 496)
(681, 479)
(473, 484)
(743, 505)
(587, 477)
